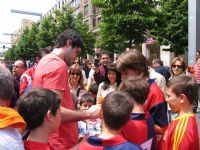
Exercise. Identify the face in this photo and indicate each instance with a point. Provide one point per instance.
(18, 68)
(75, 75)
(56, 120)
(173, 100)
(105, 59)
(177, 68)
(86, 105)
(198, 61)
(112, 76)
(128, 73)
(154, 64)
(71, 54)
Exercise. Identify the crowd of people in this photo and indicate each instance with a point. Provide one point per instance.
(63, 103)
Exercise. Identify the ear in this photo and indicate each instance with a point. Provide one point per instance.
(49, 116)
(183, 98)
(69, 42)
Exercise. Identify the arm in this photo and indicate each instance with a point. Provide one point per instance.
(90, 79)
(68, 115)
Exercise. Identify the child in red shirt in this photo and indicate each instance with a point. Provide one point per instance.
(140, 128)
(40, 108)
(182, 132)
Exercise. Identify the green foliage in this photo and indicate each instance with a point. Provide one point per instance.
(86, 35)
(172, 25)
(45, 33)
(125, 22)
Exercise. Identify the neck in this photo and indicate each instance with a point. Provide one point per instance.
(74, 85)
(39, 135)
(138, 108)
(108, 133)
(185, 110)
(112, 83)
(59, 52)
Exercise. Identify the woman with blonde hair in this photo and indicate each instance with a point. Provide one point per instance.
(76, 85)
(178, 66)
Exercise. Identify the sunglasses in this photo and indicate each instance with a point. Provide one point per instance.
(177, 66)
(77, 74)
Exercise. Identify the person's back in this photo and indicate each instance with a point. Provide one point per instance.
(182, 132)
(116, 110)
(10, 120)
(140, 128)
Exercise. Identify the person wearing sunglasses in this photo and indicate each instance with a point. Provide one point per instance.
(76, 83)
(178, 66)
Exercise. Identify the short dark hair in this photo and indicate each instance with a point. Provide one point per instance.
(116, 109)
(87, 98)
(69, 34)
(93, 88)
(6, 83)
(34, 105)
(104, 53)
(24, 62)
(133, 60)
(158, 61)
(184, 84)
(42, 52)
(137, 88)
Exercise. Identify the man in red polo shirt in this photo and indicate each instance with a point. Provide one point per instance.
(52, 73)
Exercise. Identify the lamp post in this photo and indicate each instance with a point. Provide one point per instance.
(193, 29)
(26, 13)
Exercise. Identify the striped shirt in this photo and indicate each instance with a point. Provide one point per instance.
(181, 134)
(197, 73)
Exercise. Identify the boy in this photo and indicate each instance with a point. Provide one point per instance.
(86, 101)
(133, 64)
(182, 132)
(140, 129)
(40, 108)
(116, 111)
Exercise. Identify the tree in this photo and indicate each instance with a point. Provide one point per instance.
(172, 25)
(86, 35)
(10, 53)
(46, 32)
(27, 46)
(125, 22)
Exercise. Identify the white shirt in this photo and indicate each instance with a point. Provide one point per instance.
(10, 139)
(102, 92)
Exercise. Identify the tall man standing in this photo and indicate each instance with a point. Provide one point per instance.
(52, 73)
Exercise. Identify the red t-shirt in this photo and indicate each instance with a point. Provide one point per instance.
(181, 134)
(52, 73)
(32, 145)
(139, 130)
(26, 80)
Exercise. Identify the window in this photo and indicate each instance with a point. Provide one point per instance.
(98, 20)
(94, 23)
(86, 10)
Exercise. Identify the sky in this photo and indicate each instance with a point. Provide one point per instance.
(11, 22)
